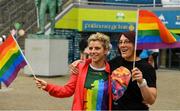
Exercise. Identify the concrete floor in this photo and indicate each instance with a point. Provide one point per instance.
(24, 95)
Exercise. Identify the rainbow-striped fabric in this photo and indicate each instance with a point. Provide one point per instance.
(96, 89)
(97, 97)
(11, 60)
(153, 34)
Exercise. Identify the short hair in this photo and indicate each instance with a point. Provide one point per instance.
(130, 35)
(100, 37)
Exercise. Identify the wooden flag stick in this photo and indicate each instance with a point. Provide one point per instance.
(135, 44)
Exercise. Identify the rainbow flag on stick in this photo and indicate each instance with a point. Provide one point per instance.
(11, 60)
(153, 34)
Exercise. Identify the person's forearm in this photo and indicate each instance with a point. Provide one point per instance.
(63, 91)
(148, 94)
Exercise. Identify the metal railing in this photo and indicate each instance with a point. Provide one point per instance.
(154, 4)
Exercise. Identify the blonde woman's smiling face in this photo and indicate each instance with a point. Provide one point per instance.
(96, 51)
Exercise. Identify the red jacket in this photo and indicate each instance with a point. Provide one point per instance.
(75, 86)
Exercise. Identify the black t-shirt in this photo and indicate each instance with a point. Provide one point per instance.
(132, 98)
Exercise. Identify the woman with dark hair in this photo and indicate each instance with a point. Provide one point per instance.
(135, 89)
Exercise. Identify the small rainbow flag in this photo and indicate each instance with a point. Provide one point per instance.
(153, 34)
(11, 60)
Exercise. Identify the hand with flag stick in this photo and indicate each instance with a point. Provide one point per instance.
(151, 33)
(41, 84)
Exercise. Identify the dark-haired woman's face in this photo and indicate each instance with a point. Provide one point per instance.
(126, 48)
